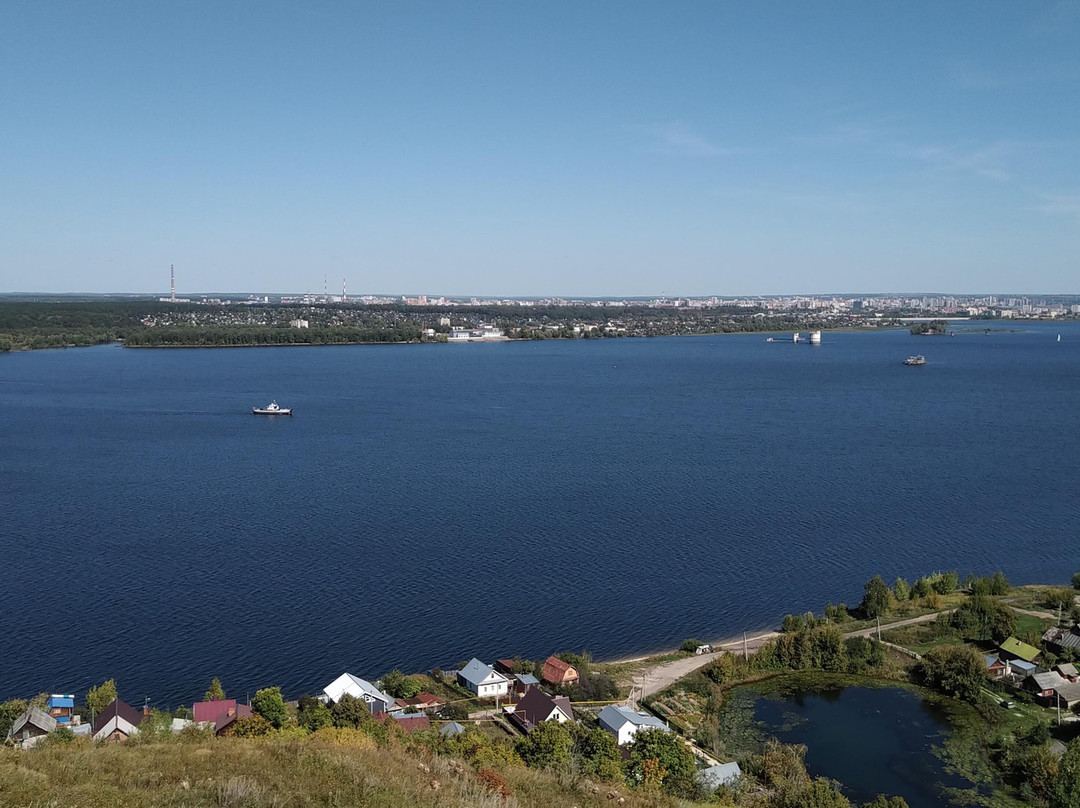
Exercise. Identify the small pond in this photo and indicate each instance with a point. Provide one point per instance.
(873, 740)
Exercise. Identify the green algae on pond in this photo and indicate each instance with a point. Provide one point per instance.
(872, 738)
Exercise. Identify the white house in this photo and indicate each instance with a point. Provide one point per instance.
(483, 680)
(624, 722)
(347, 684)
(117, 722)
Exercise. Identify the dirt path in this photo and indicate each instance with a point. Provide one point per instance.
(652, 680)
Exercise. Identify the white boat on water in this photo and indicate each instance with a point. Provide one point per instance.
(915, 360)
(271, 409)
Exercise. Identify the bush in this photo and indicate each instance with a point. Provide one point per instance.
(690, 645)
(1059, 598)
(494, 782)
(956, 670)
(270, 704)
(251, 726)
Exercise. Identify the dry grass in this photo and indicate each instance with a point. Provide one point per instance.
(233, 773)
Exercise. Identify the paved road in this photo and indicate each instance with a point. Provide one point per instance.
(653, 680)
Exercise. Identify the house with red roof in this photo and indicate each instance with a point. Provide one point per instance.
(222, 713)
(557, 672)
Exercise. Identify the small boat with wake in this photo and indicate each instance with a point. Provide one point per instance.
(271, 409)
(915, 360)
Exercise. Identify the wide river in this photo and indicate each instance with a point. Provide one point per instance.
(429, 503)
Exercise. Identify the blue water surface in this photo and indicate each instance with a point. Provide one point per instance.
(429, 503)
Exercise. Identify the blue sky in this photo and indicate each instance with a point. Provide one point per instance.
(506, 148)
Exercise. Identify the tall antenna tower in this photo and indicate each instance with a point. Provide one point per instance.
(325, 293)
(172, 283)
(344, 297)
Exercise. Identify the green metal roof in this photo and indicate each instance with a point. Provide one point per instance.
(1020, 649)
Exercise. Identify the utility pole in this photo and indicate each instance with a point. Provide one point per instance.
(745, 649)
(879, 628)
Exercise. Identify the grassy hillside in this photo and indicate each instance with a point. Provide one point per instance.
(237, 773)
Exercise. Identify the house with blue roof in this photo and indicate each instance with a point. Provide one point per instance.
(624, 722)
(61, 708)
(483, 680)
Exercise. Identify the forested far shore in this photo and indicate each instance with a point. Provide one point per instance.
(152, 324)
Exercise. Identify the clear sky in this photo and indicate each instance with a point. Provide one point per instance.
(534, 148)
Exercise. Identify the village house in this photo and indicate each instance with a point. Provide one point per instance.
(62, 708)
(225, 722)
(410, 723)
(1059, 639)
(1053, 689)
(221, 713)
(347, 684)
(483, 680)
(994, 666)
(30, 727)
(117, 722)
(1012, 649)
(1068, 670)
(537, 706)
(521, 682)
(624, 722)
(557, 672)
(421, 702)
(451, 729)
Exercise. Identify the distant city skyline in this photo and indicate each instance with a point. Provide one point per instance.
(554, 150)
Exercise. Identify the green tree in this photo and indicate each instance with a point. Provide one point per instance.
(313, 714)
(1076, 580)
(547, 746)
(981, 616)
(352, 712)
(671, 762)
(875, 602)
(216, 692)
(1060, 598)
(100, 697)
(599, 752)
(881, 801)
(270, 704)
(956, 670)
(9, 711)
(690, 645)
(818, 793)
(1066, 790)
(901, 589)
(999, 584)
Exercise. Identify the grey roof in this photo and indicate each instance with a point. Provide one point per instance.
(721, 774)
(1047, 681)
(1021, 665)
(1066, 669)
(527, 679)
(1069, 691)
(451, 729)
(1063, 638)
(476, 672)
(35, 717)
(615, 717)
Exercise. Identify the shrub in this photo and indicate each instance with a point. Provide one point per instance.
(956, 670)
(690, 645)
(270, 704)
(494, 782)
